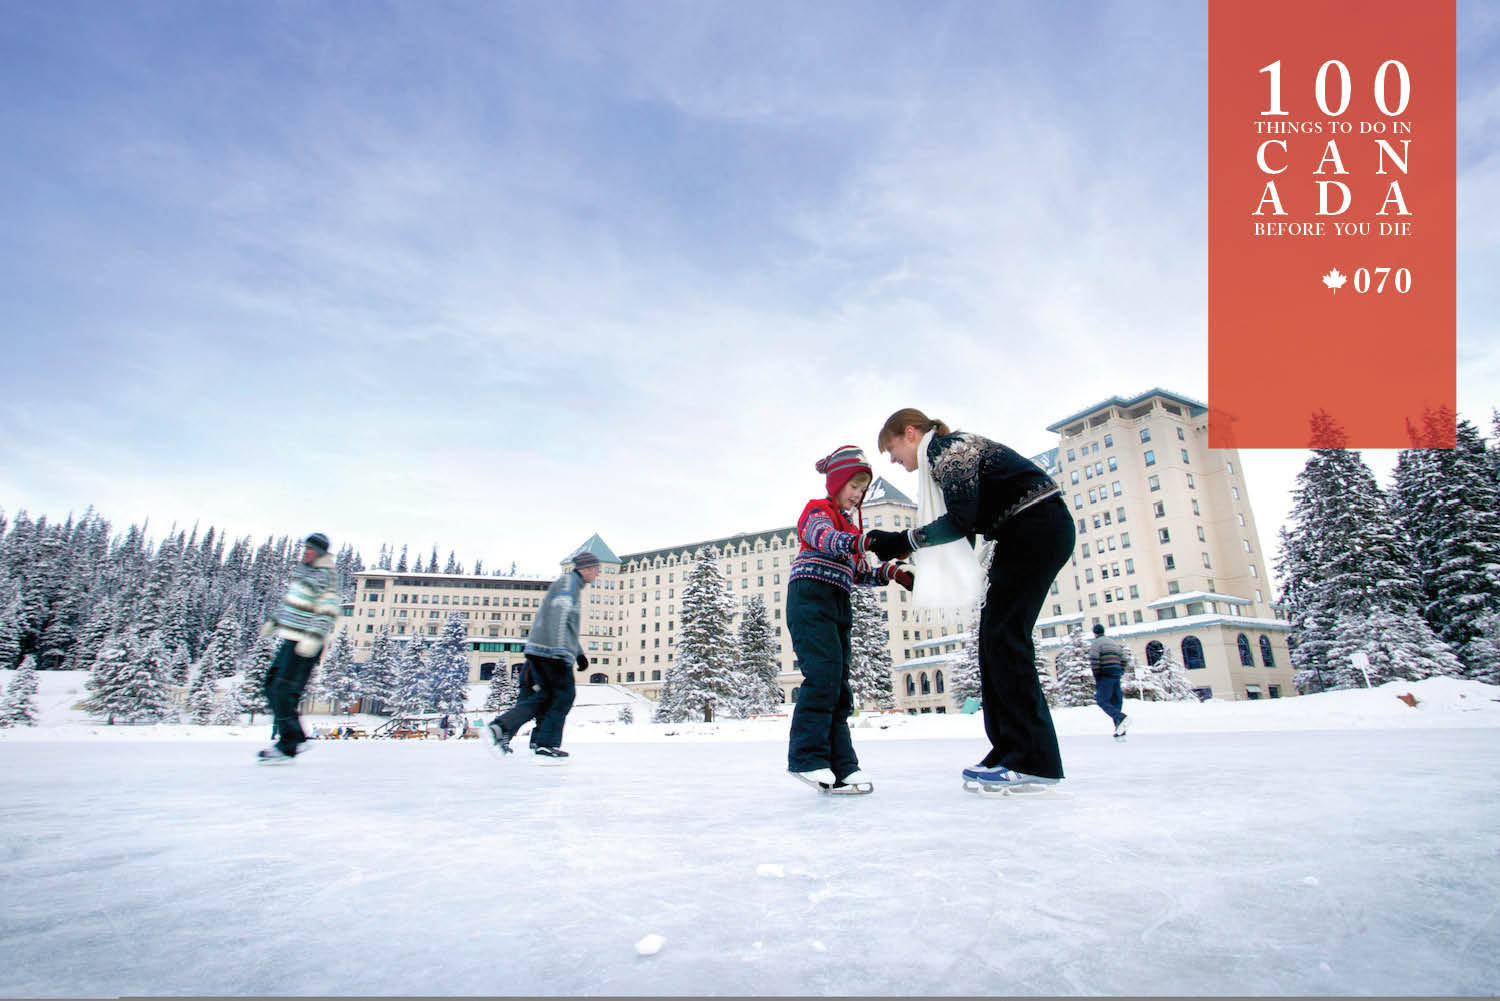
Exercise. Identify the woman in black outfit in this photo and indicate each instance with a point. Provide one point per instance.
(993, 491)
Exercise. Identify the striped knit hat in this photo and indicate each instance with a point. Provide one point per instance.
(841, 465)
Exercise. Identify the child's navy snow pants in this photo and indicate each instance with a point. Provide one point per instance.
(819, 618)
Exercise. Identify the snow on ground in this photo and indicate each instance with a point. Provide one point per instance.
(1337, 844)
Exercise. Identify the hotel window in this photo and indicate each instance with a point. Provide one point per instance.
(1116, 489)
(1070, 455)
(1088, 472)
(1075, 476)
(1114, 463)
(1180, 435)
(1124, 540)
(1085, 550)
(1078, 500)
(1109, 442)
(1185, 460)
(1191, 484)
(1159, 509)
(1205, 561)
(1120, 515)
(1162, 535)
(1145, 435)
(1168, 562)
(1150, 456)
(1200, 534)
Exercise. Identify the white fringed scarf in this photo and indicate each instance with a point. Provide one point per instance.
(949, 575)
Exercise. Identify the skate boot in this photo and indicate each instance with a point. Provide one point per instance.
(551, 755)
(1121, 727)
(273, 755)
(999, 780)
(499, 737)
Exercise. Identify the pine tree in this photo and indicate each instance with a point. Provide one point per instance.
(377, 676)
(255, 665)
(145, 684)
(19, 707)
(10, 626)
(218, 657)
(411, 689)
(1449, 506)
(1482, 653)
(339, 676)
(401, 563)
(759, 665)
(702, 679)
(226, 710)
(452, 566)
(1075, 677)
(104, 681)
(1399, 647)
(869, 652)
(626, 715)
(1342, 556)
(963, 678)
(448, 665)
(1164, 681)
(201, 695)
(501, 694)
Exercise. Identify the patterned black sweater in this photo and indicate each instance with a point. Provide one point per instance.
(983, 484)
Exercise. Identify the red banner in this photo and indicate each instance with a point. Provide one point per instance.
(1331, 220)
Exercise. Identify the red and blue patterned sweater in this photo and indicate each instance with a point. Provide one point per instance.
(832, 549)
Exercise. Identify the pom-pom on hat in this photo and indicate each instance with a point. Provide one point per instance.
(841, 465)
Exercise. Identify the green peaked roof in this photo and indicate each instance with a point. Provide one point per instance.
(596, 546)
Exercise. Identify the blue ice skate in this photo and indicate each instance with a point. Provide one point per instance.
(1001, 781)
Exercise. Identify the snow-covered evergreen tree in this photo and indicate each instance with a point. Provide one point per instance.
(501, 694)
(1449, 505)
(19, 707)
(226, 710)
(1482, 653)
(963, 678)
(339, 675)
(250, 691)
(1074, 676)
(412, 689)
(702, 680)
(1342, 556)
(1164, 681)
(201, 695)
(869, 652)
(148, 682)
(10, 626)
(759, 664)
(377, 675)
(626, 715)
(218, 657)
(1400, 647)
(106, 693)
(448, 666)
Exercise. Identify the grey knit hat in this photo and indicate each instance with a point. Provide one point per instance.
(585, 559)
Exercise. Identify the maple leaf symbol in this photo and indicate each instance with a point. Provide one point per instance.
(1334, 280)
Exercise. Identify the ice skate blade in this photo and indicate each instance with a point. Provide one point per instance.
(857, 789)
(1020, 791)
(821, 787)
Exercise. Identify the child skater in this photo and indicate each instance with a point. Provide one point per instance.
(830, 561)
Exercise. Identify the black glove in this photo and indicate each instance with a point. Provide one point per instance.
(888, 545)
(583, 661)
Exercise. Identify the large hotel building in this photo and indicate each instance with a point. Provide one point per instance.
(1168, 557)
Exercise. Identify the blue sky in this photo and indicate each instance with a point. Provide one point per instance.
(498, 276)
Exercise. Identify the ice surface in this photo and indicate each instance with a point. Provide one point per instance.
(1223, 849)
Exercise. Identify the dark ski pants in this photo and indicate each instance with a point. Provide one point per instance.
(1108, 695)
(284, 684)
(1030, 549)
(548, 704)
(819, 617)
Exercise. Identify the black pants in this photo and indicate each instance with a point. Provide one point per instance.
(284, 684)
(819, 617)
(1029, 551)
(548, 704)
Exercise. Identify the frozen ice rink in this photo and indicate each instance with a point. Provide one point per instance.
(1224, 861)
